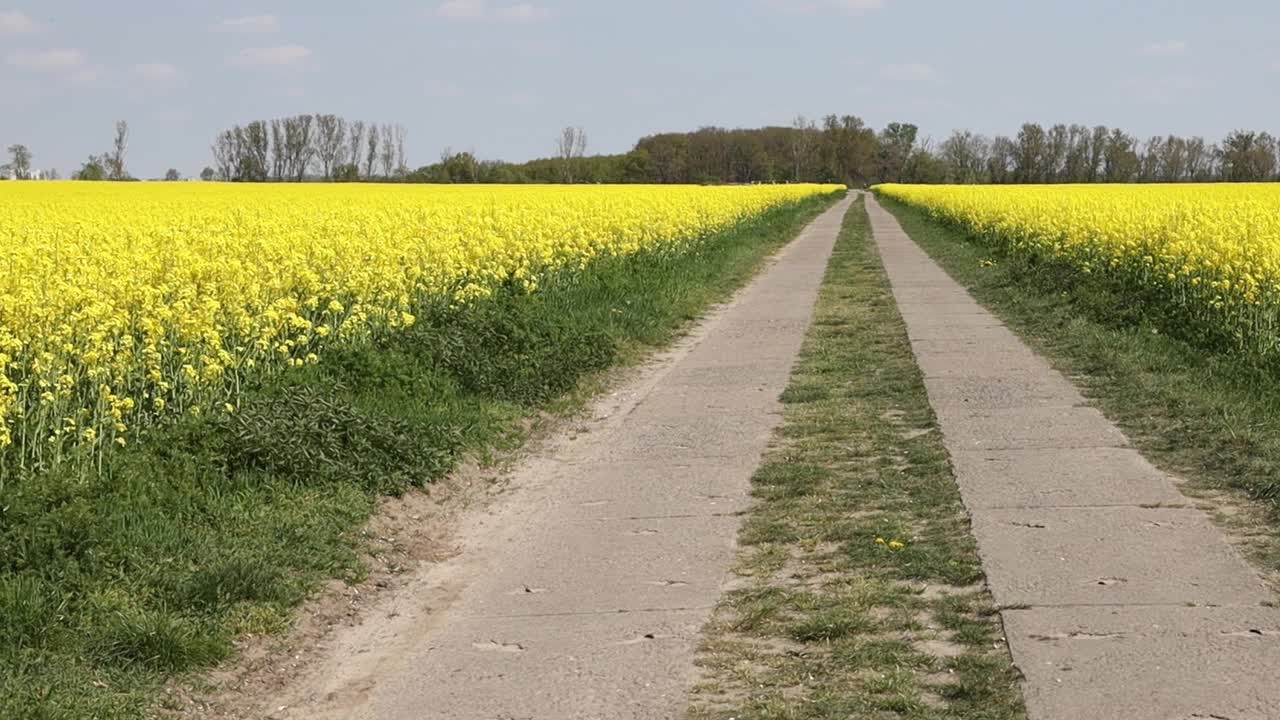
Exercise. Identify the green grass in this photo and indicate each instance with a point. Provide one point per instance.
(1212, 418)
(207, 528)
(828, 620)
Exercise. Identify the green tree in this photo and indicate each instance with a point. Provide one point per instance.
(1031, 161)
(346, 172)
(1120, 158)
(896, 143)
(1248, 157)
(95, 168)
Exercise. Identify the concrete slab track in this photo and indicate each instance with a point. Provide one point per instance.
(1121, 601)
(586, 600)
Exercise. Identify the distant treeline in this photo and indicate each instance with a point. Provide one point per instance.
(843, 149)
(839, 149)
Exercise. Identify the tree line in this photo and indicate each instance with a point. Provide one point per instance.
(844, 149)
(294, 149)
(839, 149)
(1079, 154)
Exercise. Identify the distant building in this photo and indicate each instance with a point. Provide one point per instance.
(8, 173)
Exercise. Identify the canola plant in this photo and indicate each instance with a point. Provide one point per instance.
(1206, 256)
(120, 303)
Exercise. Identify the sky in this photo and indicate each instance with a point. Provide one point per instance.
(501, 77)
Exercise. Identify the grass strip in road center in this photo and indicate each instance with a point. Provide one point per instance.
(1209, 418)
(859, 590)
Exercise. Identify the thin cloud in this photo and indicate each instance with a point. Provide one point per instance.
(809, 7)
(279, 56)
(522, 98)
(522, 13)
(909, 72)
(16, 22)
(249, 24)
(159, 73)
(443, 90)
(481, 11)
(462, 10)
(1170, 48)
(91, 75)
(47, 59)
(1164, 89)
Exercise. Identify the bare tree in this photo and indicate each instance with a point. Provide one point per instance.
(119, 148)
(1199, 160)
(1000, 161)
(253, 145)
(298, 132)
(966, 156)
(1150, 159)
(1098, 141)
(20, 161)
(571, 145)
(279, 152)
(329, 150)
(224, 156)
(804, 142)
(387, 157)
(1057, 143)
(372, 155)
(355, 143)
(401, 168)
(1075, 165)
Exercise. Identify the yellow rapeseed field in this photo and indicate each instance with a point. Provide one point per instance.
(1207, 255)
(124, 301)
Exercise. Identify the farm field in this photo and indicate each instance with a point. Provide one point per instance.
(206, 388)
(1201, 260)
(123, 303)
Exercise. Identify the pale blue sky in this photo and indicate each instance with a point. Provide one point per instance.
(500, 77)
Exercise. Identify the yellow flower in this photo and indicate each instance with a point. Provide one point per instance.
(1204, 255)
(117, 292)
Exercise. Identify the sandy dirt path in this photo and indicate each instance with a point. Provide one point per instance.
(1121, 600)
(581, 592)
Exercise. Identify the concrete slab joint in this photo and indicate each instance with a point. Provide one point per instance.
(581, 595)
(1124, 602)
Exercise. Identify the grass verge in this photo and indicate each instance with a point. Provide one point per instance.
(210, 527)
(1209, 418)
(859, 589)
